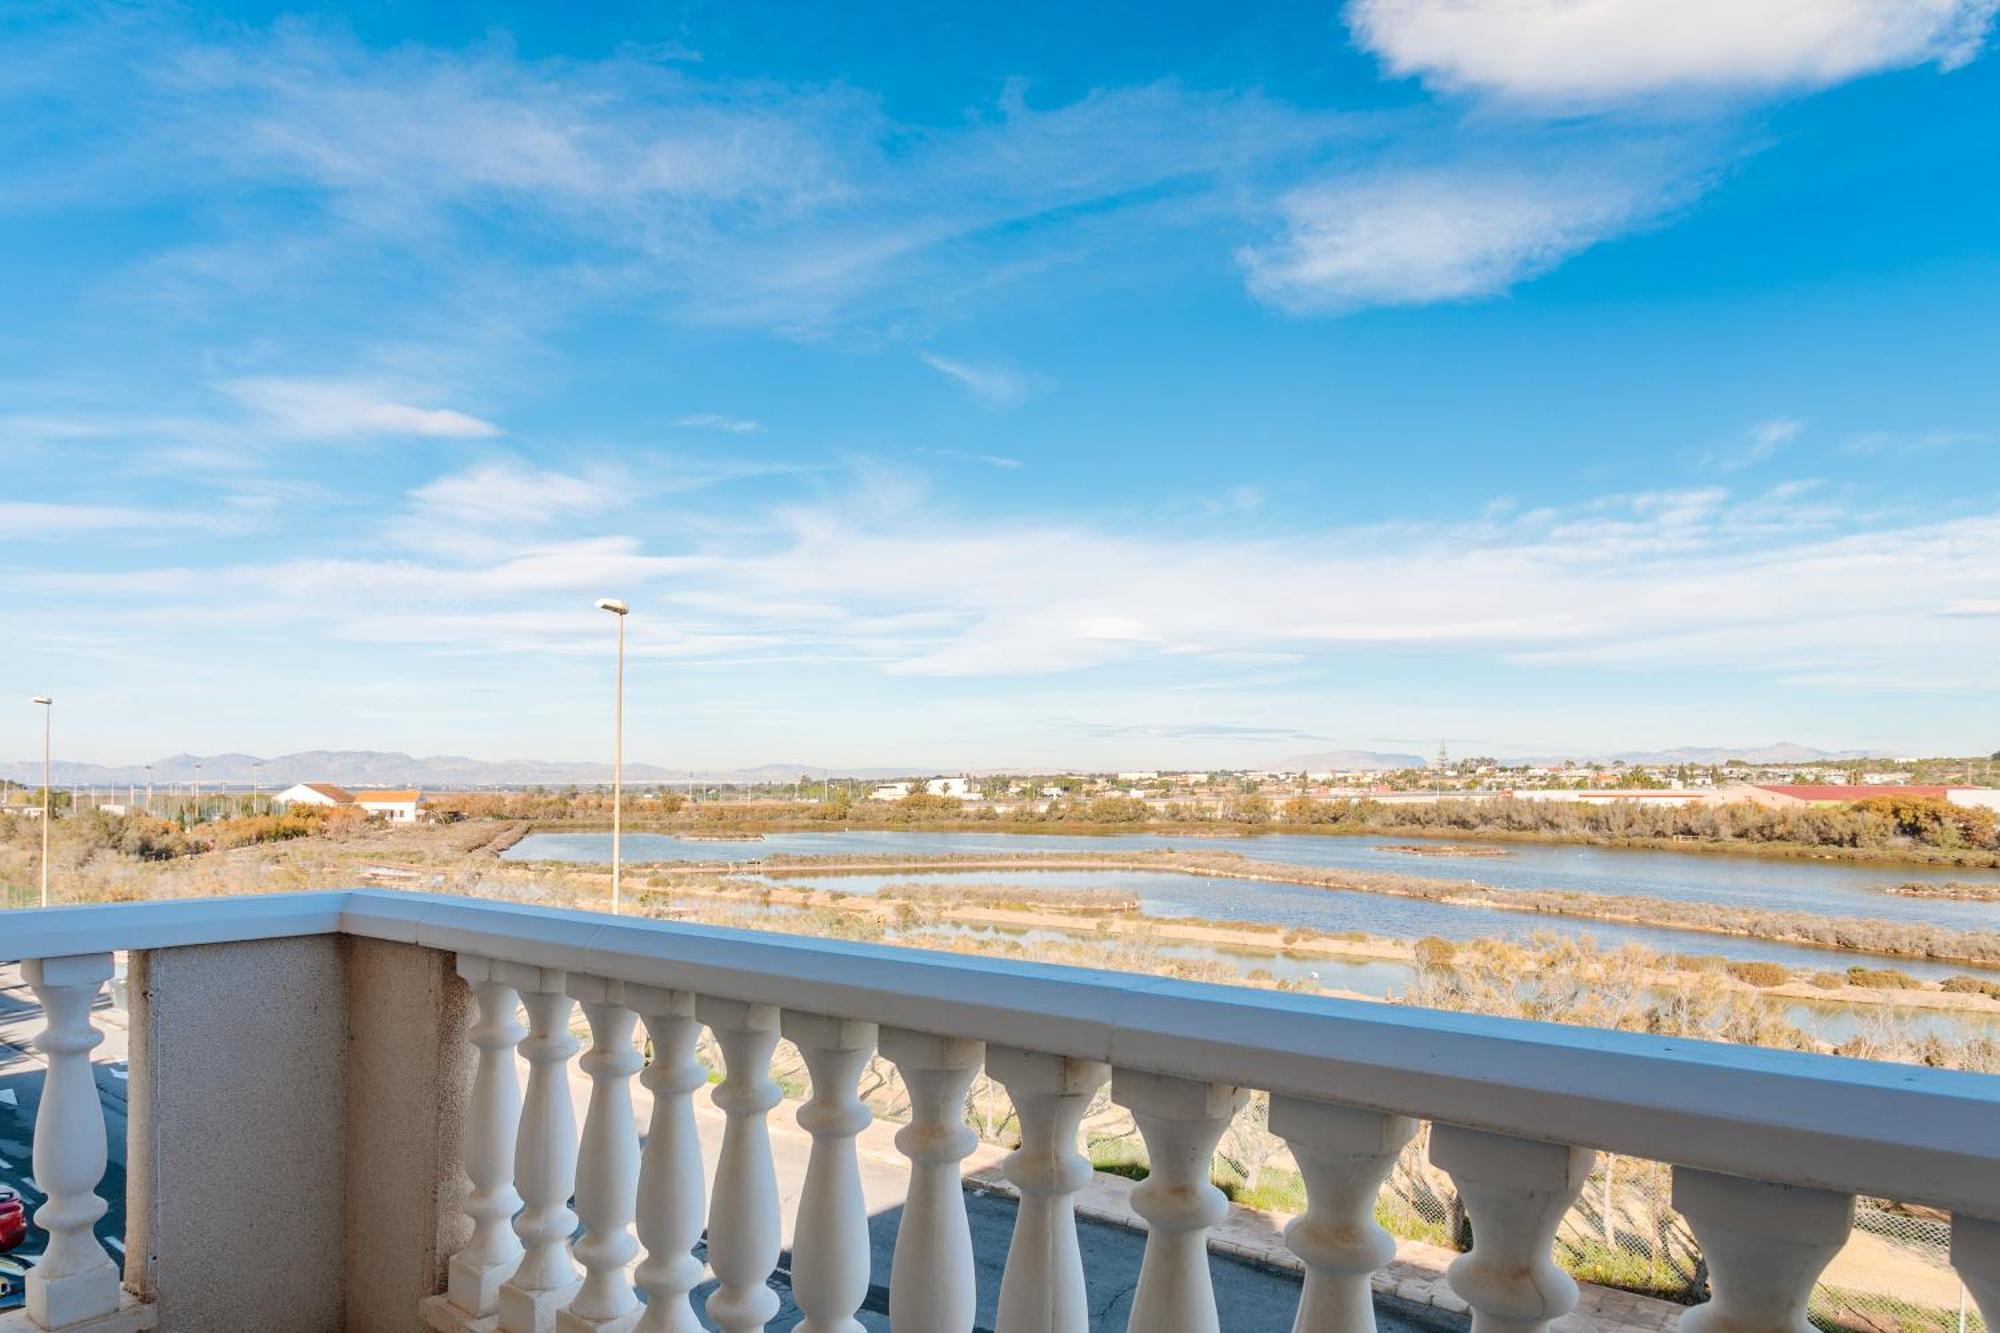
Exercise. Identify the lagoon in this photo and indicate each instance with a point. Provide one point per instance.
(1827, 887)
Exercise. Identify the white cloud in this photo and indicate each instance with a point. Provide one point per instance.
(1759, 444)
(1782, 581)
(29, 519)
(329, 409)
(506, 493)
(1000, 461)
(994, 385)
(1607, 50)
(718, 422)
(1432, 236)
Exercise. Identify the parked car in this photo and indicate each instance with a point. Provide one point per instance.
(13, 1219)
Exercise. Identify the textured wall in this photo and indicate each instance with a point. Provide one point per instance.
(295, 1114)
(238, 1148)
(409, 1076)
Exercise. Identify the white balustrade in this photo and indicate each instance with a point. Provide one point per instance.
(1516, 1192)
(491, 1122)
(607, 1166)
(670, 1197)
(1753, 1119)
(1975, 1253)
(544, 1158)
(1345, 1154)
(743, 1225)
(830, 1249)
(75, 1283)
(1042, 1289)
(931, 1281)
(1765, 1245)
(1181, 1121)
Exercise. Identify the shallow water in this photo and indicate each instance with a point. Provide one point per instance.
(1831, 888)
(1172, 894)
(1806, 886)
(1828, 1020)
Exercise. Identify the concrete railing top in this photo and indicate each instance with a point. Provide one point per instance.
(1855, 1126)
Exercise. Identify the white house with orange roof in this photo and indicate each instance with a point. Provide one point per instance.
(398, 807)
(313, 793)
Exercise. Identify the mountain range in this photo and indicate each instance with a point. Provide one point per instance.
(390, 768)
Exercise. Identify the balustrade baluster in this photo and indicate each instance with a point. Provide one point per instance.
(1765, 1245)
(1516, 1192)
(607, 1167)
(1042, 1289)
(1181, 1121)
(1975, 1253)
(76, 1281)
(1344, 1153)
(931, 1282)
(670, 1171)
(544, 1157)
(830, 1249)
(492, 1119)
(743, 1224)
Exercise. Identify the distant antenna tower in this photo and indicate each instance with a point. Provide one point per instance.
(1444, 757)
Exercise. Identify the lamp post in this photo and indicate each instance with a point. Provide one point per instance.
(48, 811)
(619, 609)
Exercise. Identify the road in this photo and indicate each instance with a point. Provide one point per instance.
(1251, 1297)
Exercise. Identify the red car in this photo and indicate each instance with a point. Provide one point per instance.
(13, 1219)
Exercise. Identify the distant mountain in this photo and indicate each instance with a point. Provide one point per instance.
(389, 768)
(1342, 760)
(1778, 752)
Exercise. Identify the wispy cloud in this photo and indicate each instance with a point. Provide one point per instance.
(716, 421)
(1609, 50)
(1912, 442)
(508, 493)
(26, 520)
(1443, 235)
(328, 409)
(1000, 461)
(1781, 581)
(996, 386)
(1759, 444)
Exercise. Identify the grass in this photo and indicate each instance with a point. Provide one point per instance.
(1592, 1261)
(1838, 1310)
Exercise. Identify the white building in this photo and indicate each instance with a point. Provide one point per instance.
(398, 807)
(313, 793)
(962, 788)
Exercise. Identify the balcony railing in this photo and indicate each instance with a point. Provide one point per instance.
(327, 1129)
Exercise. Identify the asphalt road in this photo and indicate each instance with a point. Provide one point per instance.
(1250, 1297)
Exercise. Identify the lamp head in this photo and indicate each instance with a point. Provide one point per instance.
(43, 700)
(614, 606)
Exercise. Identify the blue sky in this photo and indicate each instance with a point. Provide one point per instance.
(1033, 385)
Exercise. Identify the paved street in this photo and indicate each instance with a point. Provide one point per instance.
(1251, 1297)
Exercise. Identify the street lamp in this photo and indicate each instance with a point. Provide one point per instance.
(619, 609)
(48, 706)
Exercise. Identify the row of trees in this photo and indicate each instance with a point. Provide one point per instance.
(1879, 823)
(1883, 823)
